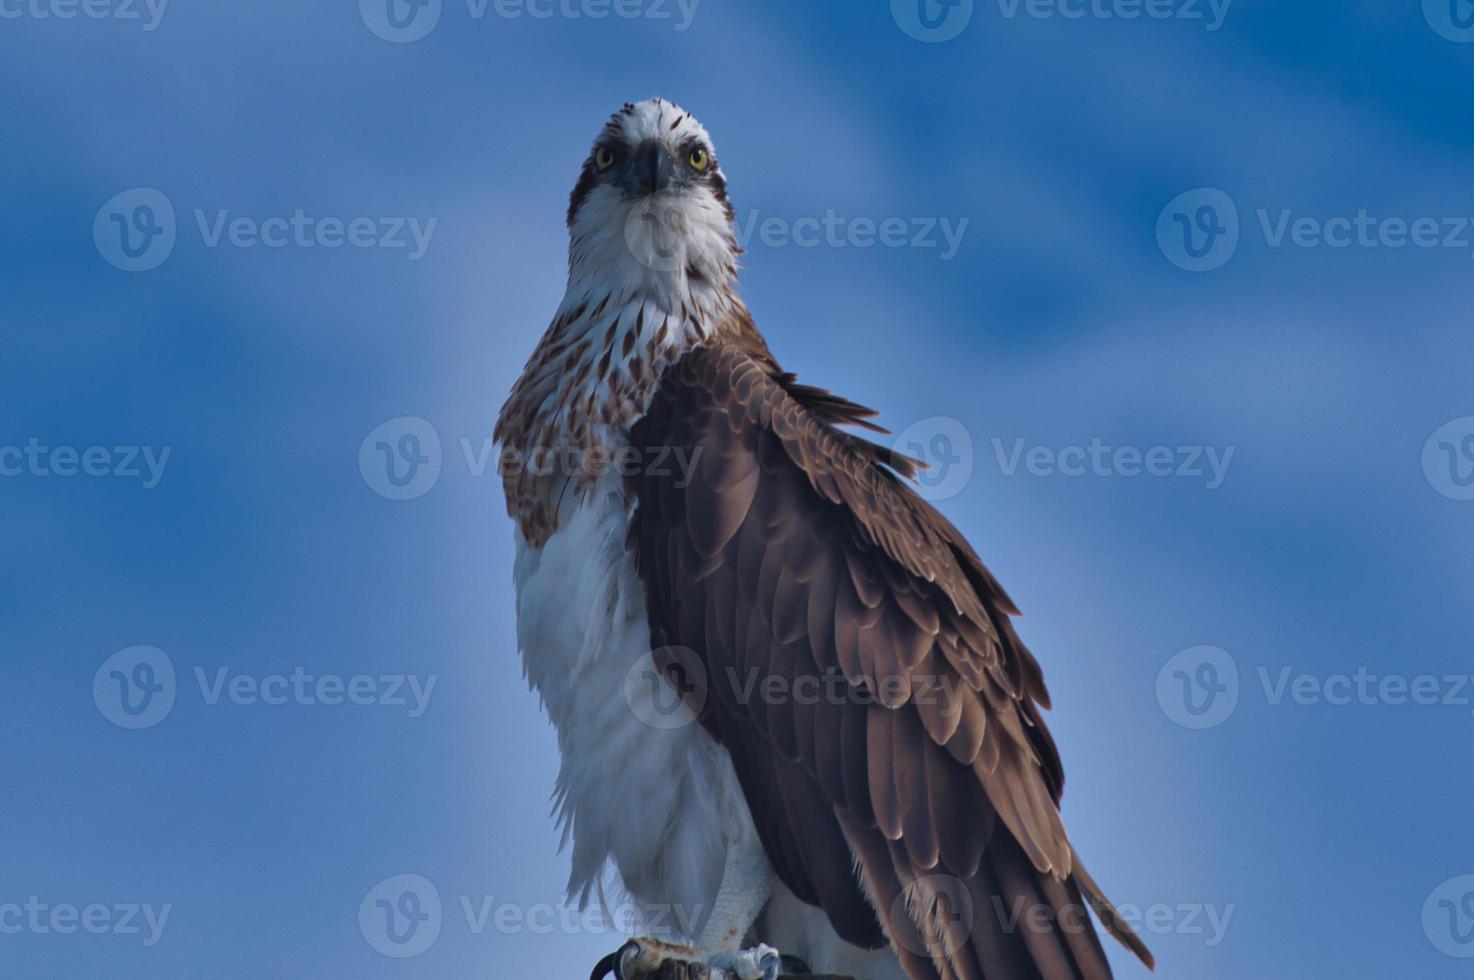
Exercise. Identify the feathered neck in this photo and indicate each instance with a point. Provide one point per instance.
(593, 374)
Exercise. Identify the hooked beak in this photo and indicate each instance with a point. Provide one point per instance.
(654, 167)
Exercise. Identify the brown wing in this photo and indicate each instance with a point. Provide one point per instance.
(861, 668)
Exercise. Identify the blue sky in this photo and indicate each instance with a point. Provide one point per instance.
(1324, 365)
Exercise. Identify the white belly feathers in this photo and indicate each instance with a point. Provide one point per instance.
(641, 782)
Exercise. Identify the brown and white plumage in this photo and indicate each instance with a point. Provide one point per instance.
(791, 555)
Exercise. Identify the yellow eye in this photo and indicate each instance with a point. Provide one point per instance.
(603, 158)
(699, 159)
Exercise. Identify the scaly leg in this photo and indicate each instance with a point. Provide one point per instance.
(747, 884)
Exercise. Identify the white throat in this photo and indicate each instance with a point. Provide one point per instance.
(670, 248)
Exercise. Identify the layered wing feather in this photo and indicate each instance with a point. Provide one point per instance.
(862, 670)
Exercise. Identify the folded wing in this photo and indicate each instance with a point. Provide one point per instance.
(859, 663)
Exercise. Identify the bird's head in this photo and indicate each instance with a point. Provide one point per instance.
(650, 208)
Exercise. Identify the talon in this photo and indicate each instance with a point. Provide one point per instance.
(615, 963)
(758, 963)
(606, 966)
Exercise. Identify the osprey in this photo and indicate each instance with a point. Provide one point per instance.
(855, 772)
